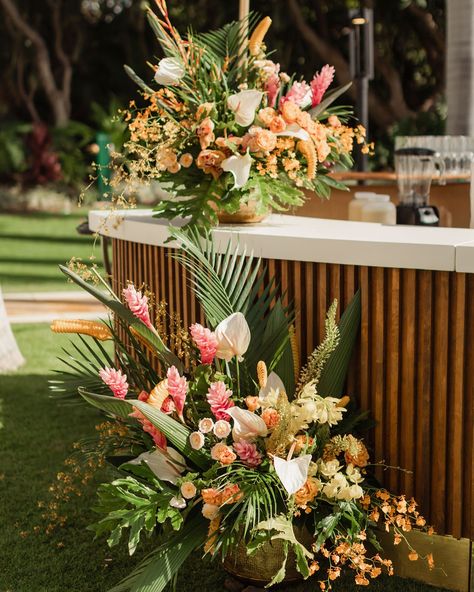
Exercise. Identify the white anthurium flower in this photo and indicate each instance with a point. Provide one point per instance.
(268, 395)
(240, 167)
(170, 71)
(167, 466)
(292, 473)
(247, 425)
(295, 131)
(244, 104)
(233, 337)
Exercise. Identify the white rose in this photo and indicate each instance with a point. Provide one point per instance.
(206, 425)
(169, 71)
(222, 429)
(196, 439)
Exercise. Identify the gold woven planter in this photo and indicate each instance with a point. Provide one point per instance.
(246, 214)
(260, 567)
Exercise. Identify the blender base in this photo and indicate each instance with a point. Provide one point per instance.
(418, 215)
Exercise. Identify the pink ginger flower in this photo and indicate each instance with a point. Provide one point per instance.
(248, 453)
(138, 304)
(206, 341)
(219, 400)
(177, 388)
(299, 94)
(272, 88)
(320, 83)
(116, 381)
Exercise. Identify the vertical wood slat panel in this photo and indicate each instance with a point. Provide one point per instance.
(439, 396)
(413, 369)
(392, 382)
(423, 359)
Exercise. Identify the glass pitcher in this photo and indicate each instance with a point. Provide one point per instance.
(415, 169)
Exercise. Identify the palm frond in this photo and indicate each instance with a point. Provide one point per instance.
(157, 570)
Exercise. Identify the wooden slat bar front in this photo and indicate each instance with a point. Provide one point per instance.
(413, 368)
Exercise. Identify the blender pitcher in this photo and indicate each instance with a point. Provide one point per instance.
(415, 169)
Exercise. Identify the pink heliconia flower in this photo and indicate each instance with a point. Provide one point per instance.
(177, 388)
(248, 453)
(272, 88)
(138, 304)
(206, 341)
(299, 94)
(219, 400)
(116, 381)
(158, 437)
(320, 83)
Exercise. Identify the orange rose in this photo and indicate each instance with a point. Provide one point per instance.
(252, 403)
(271, 417)
(209, 161)
(205, 132)
(223, 453)
(266, 115)
(231, 494)
(360, 459)
(290, 111)
(211, 496)
(277, 125)
(307, 493)
(264, 140)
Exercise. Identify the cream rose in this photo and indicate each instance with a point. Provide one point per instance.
(188, 490)
(196, 439)
(210, 511)
(222, 429)
(206, 425)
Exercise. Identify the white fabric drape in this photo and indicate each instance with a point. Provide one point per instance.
(10, 355)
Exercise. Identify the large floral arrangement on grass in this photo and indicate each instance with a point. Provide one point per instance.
(226, 440)
(226, 127)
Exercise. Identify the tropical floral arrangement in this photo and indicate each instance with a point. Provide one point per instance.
(225, 127)
(224, 442)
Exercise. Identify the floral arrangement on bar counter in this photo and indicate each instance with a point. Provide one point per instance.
(227, 128)
(225, 443)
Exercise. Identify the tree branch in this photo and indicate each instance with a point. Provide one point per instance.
(331, 55)
(43, 62)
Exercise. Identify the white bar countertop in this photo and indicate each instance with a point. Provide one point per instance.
(297, 238)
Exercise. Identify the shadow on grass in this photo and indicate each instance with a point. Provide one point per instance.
(45, 238)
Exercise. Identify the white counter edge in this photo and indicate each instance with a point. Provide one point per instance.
(323, 241)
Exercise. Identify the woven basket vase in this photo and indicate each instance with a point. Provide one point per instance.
(260, 567)
(246, 214)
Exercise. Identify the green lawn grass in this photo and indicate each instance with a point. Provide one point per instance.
(33, 245)
(36, 435)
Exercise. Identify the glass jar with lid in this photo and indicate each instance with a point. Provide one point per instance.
(379, 209)
(357, 203)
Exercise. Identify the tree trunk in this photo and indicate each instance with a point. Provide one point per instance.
(460, 67)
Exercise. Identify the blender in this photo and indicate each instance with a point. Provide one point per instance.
(415, 169)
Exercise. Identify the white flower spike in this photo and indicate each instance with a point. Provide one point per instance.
(244, 104)
(233, 337)
(247, 425)
(240, 167)
(292, 473)
(170, 71)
